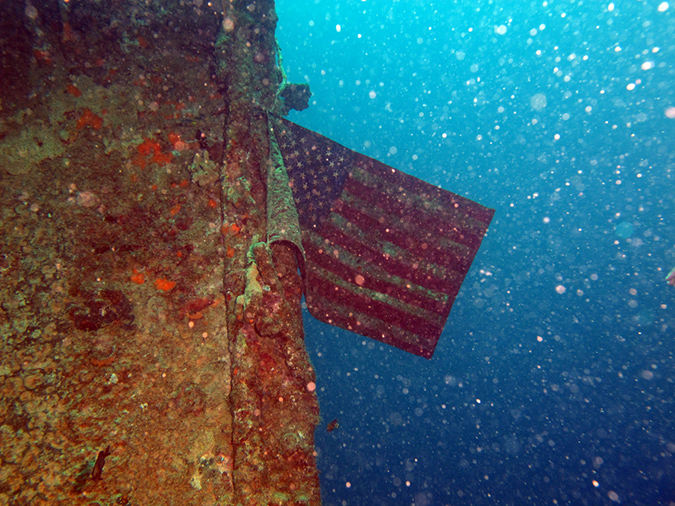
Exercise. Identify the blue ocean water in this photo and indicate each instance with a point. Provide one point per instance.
(553, 382)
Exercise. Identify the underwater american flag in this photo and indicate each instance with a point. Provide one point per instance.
(385, 253)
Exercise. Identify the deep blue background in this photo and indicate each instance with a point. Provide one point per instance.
(532, 394)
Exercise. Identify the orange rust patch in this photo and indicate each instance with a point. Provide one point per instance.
(137, 277)
(231, 229)
(88, 118)
(164, 284)
(148, 147)
(150, 151)
(162, 159)
(73, 90)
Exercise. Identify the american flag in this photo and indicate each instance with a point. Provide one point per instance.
(385, 253)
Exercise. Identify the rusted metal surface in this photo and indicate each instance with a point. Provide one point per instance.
(128, 250)
(273, 395)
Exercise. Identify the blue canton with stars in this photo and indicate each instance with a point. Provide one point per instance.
(317, 169)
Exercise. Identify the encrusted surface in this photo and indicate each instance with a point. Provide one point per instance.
(118, 383)
(112, 314)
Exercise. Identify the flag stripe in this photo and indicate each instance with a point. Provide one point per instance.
(391, 316)
(425, 190)
(449, 258)
(375, 278)
(423, 275)
(455, 227)
(396, 210)
(362, 324)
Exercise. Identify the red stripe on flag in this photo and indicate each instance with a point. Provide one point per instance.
(422, 277)
(433, 302)
(341, 317)
(441, 225)
(320, 288)
(417, 186)
(452, 259)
